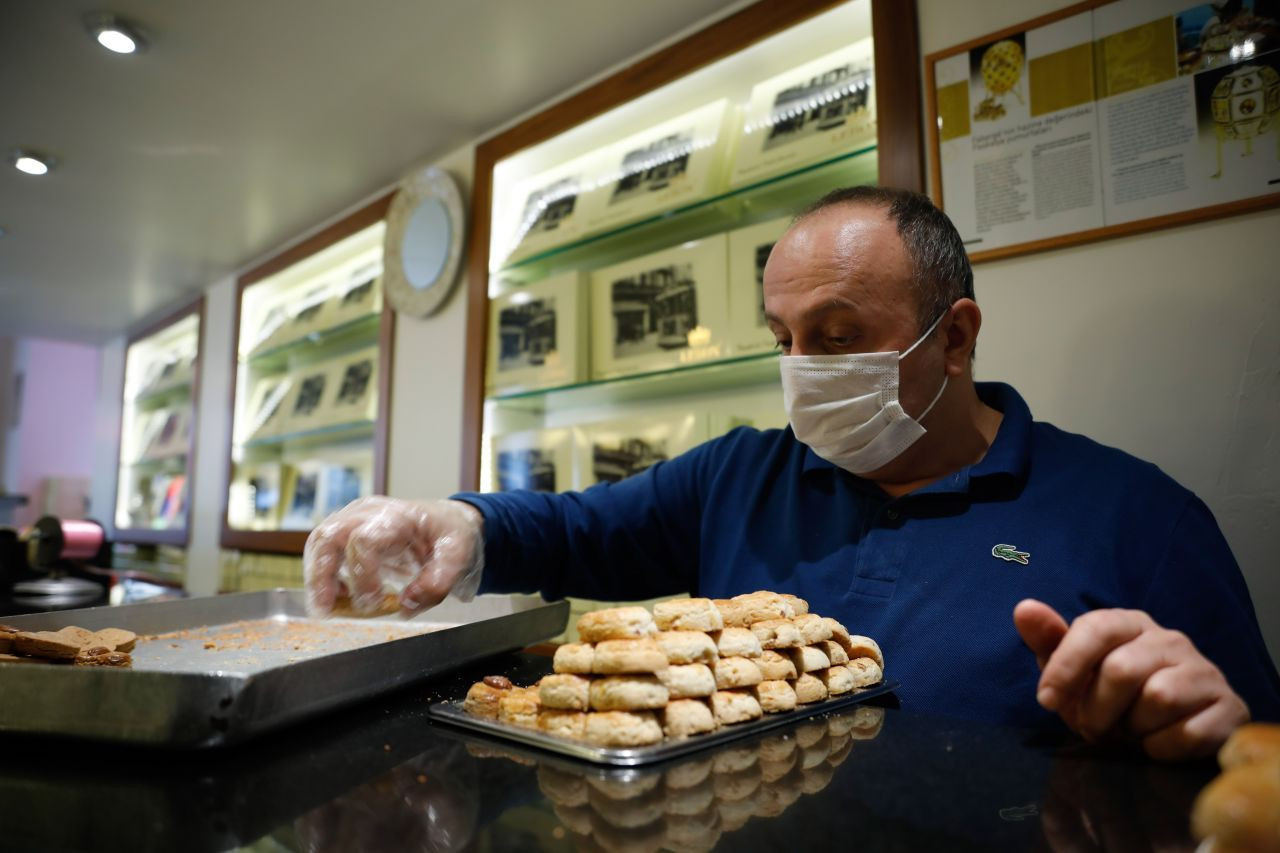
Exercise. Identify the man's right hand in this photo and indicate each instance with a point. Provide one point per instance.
(426, 548)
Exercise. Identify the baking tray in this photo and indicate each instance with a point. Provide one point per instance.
(210, 680)
(452, 714)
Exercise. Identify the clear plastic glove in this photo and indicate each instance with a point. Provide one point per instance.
(423, 550)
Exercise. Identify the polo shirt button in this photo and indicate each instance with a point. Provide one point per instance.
(893, 514)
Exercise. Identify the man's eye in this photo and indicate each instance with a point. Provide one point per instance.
(841, 342)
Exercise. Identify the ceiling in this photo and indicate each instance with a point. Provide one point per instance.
(246, 123)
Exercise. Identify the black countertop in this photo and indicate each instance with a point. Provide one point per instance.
(381, 777)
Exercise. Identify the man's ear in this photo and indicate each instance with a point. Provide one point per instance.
(962, 335)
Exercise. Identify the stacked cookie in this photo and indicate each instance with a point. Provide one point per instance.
(688, 668)
(70, 645)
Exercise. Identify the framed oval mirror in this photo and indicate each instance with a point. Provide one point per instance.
(424, 242)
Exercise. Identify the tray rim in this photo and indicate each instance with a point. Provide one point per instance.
(451, 713)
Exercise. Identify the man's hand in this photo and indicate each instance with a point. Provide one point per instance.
(1118, 673)
(425, 548)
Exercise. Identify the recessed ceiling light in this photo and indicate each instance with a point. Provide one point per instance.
(114, 33)
(31, 162)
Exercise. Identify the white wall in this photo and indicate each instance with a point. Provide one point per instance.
(1166, 345)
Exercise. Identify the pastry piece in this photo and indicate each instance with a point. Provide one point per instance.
(628, 693)
(737, 642)
(776, 666)
(865, 672)
(864, 647)
(482, 698)
(689, 681)
(386, 605)
(687, 646)
(835, 652)
(623, 728)
(1252, 743)
(777, 634)
(812, 629)
(562, 723)
(764, 605)
(116, 639)
(689, 614)
(564, 691)
(809, 688)
(809, 658)
(617, 623)
(735, 706)
(1238, 809)
(616, 657)
(45, 644)
(838, 679)
(776, 696)
(732, 613)
(736, 672)
(798, 604)
(575, 658)
(685, 717)
(519, 707)
(83, 636)
(102, 656)
(839, 633)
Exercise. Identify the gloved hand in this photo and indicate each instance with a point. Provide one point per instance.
(421, 549)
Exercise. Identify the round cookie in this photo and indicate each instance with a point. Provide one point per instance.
(734, 672)
(777, 634)
(623, 728)
(798, 604)
(809, 688)
(865, 672)
(685, 717)
(732, 613)
(617, 657)
(864, 647)
(574, 658)
(809, 658)
(482, 700)
(764, 605)
(689, 681)
(776, 666)
(519, 707)
(837, 679)
(688, 614)
(687, 646)
(835, 652)
(617, 623)
(776, 696)
(737, 642)
(628, 693)
(735, 706)
(562, 723)
(812, 629)
(564, 691)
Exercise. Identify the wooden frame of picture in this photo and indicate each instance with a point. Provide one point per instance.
(538, 334)
(748, 249)
(660, 310)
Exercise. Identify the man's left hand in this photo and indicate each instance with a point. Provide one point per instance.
(1117, 673)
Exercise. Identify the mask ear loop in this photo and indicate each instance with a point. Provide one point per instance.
(938, 396)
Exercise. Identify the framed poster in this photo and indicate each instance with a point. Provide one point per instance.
(359, 296)
(661, 310)
(538, 335)
(672, 163)
(343, 479)
(1106, 118)
(265, 404)
(546, 210)
(302, 509)
(537, 460)
(354, 397)
(614, 450)
(815, 111)
(749, 249)
(307, 404)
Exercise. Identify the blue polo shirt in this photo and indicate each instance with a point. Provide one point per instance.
(933, 575)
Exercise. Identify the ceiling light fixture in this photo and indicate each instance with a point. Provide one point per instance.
(114, 33)
(31, 162)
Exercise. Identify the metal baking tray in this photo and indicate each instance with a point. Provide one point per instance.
(234, 666)
(452, 713)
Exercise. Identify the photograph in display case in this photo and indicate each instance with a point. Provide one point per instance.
(611, 451)
(320, 487)
(535, 460)
(537, 335)
(170, 433)
(749, 250)
(355, 384)
(265, 405)
(359, 296)
(676, 162)
(172, 371)
(307, 404)
(661, 310)
(808, 114)
(550, 208)
(302, 509)
(258, 495)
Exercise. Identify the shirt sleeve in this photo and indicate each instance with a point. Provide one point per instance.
(1199, 590)
(631, 540)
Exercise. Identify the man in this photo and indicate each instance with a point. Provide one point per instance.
(907, 501)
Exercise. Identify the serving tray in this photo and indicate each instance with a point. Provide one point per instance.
(453, 714)
(230, 667)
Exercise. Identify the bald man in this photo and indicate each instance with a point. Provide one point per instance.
(1011, 571)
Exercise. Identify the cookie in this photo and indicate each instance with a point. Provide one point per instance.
(683, 647)
(837, 679)
(628, 693)
(762, 605)
(689, 681)
(103, 658)
(734, 614)
(575, 658)
(623, 728)
(735, 706)
(798, 604)
(617, 623)
(385, 605)
(835, 652)
(617, 657)
(564, 691)
(864, 647)
(865, 672)
(482, 700)
(689, 614)
(812, 629)
(809, 658)
(777, 634)
(685, 717)
(809, 688)
(776, 696)
(734, 672)
(116, 639)
(562, 723)
(776, 666)
(519, 707)
(737, 642)
(45, 644)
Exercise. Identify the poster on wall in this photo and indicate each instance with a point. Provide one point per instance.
(611, 451)
(537, 336)
(1102, 122)
(534, 460)
(749, 250)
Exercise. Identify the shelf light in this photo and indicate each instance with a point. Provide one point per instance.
(31, 162)
(114, 33)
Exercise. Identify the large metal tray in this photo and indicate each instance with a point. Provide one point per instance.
(452, 713)
(208, 684)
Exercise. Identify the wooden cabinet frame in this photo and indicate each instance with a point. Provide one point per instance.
(899, 123)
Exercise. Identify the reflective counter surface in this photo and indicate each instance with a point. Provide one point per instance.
(379, 777)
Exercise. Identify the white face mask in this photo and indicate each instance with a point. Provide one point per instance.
(846, 409)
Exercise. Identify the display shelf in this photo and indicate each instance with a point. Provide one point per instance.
(162, 398)
(319, 435)
(781, 195)
(332, 341)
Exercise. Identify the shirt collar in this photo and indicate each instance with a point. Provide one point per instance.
(1006, 459)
